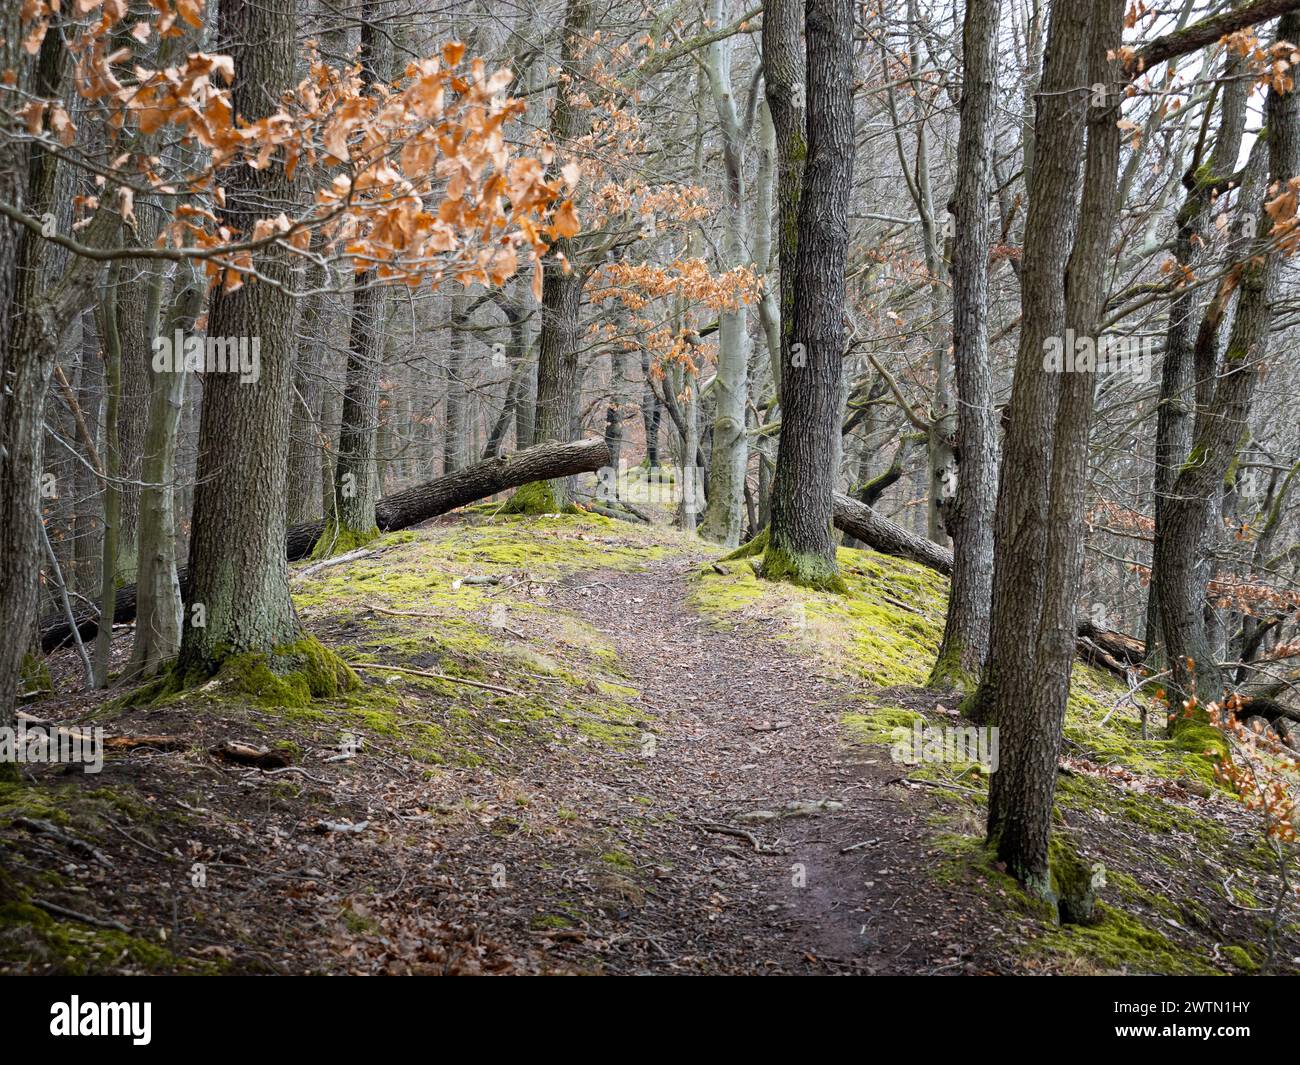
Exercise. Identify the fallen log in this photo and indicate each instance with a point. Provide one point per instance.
(887, 537)
(400, 510)
(1111, 650)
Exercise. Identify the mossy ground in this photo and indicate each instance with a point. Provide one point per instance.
(478, 598)
(33, 940)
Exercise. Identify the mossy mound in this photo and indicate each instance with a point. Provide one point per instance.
(880, 724)
(290, 675)
(487, 629)
(339, 540)
(535, 498)
(885, 629)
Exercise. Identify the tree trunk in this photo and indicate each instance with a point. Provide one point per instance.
(1021, 523)
(240, 599)
(1177, 406)
(801, 546)
(158, 616)
(109, 325)
(1196, 488)
(562, 288)
(1030, 709)
(723, 520)
(966, 630)
(352, 516)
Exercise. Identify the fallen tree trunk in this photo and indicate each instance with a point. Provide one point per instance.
(397, 511)
(1101, 647)
(887, 537)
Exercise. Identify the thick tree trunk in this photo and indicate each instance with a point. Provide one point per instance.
(966, 630)
(397, 511)
(1021, 526)
(240, 598)
(562, 288)
(801, 546)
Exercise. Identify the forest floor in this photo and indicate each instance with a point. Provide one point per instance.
(632, 761)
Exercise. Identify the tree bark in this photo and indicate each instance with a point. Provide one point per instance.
(158, 616)
(237, 562)
(352, 517)
(801, 546)
(1196, 489)
(1030, 707)
(723, 520)
(966, 629)
(1177, 406)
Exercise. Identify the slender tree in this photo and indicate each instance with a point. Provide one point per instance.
(966, 635)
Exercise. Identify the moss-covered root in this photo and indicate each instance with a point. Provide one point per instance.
(1074, 884)
(35, 675)
(751, 549)
(805, 570)
(538, 497)
(291, 675)
(948, 674)
(339, 540)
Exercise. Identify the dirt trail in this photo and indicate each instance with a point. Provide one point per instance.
(742, 725)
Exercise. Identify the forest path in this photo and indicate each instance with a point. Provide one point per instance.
(743, 725)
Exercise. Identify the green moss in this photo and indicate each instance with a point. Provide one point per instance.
(1073, 883)
(803, 569)
(753, 548)
(1118, 942)
(881, 725)
(948, 674)
(545, 921)
(884, 630)
(290, 676)
(1200, 739)
(338, 539)
(618, 859)
(34, 676)
(1240, 957)
(31, 941)
(1195, 459)
(537, 497)
(1115, 941)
